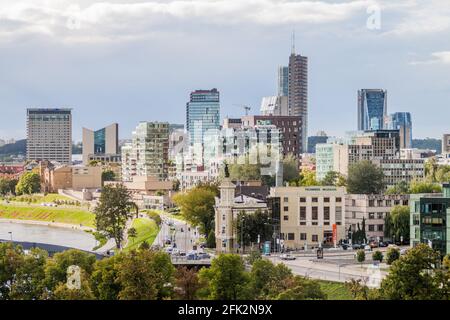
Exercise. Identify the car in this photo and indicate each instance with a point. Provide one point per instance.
(182, 253)
(392, 246)
(287, 257)
(345, 246)
(403, 251)
(367, 248)
(373, 244)
(167, 241)
(203, 256)
(175, 252)
(357, 246)
(382, 244)
(169, 250)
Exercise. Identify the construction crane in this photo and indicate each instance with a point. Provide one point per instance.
(245, 107)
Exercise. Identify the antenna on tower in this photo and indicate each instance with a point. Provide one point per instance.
(293, 41)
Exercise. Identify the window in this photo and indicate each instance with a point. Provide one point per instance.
(371, 215)
(303, 236)
(380, 227)
(291, 236)
(353, 215)
(315, 213)
(326, 223)
(302, 213)
(223, 217)
(371, 203)
(326, 199)
(315, 238)
(380, 203)
(302, 199)
(380, 215)
(314, 223)
(338, 213)
(388, 203)
(416, 219)
(339, 199)
(285, 199)
(286, 208)
(371, 227)
(326, 213)
(315, 199)
(223, 230)
(286, 218)
(353, 202)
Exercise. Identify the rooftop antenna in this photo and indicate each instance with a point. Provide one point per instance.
(293, 41)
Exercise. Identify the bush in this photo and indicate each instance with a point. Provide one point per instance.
(211, 240)
(360, 256)
(377, 256)
(392, 255)
(155, 216)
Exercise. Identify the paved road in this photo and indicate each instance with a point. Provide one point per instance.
(182, 234)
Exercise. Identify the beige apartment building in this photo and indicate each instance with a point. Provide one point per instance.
(310, 216)
(373, 208)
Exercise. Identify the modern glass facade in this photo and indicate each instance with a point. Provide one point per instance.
(401, 121)
(100, 141)
(283, 81)
(202, 114)
(428, 222)
(372, 109)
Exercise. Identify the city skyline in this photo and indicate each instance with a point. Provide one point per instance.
(147, 74)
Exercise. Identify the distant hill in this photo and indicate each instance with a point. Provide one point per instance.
(19, 147)
(428, 143)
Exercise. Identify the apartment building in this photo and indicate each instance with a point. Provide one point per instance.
(310, 216)
(398, 170)
(373, 209)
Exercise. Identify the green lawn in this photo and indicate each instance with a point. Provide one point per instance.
(147, 230)
(63, 215)
(335, 290)
(37, 198)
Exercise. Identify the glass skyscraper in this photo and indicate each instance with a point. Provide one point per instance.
(202, 114)
(372, 109)
(283, 81)
(401, 121)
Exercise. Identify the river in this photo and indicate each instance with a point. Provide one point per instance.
(45, 234)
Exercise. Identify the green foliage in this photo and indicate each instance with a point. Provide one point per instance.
(417, 276)
(446, 262)
(303, 289)
(187, 284)
(397, 223)
(290, 168)
(249, 226)
(365, 177)
(197, 207)
(226, 279)
(104, 282)
(400, 188)
(307, 178)
(211, 240)
(108, 175)
(7, 186)
(360, 256)
(29, 183)
(333, 178)
(359, 235)
(132, 233)
(377, 256)
(392, 255)
(418, 187)
(113, 211)
(155, 216)
(254, 256)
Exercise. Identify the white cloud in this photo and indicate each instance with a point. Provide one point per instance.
(441, 57)
(65, 20)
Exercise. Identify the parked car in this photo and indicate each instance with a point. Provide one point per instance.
(175, 252)
(169, 250)
(382, 244)
(403, 251)
(367, 248)
(357, 246)
(345, 246)
(373, 244)
(287, 257)
(203, 256)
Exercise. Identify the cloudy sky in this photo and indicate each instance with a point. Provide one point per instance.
(128, 61)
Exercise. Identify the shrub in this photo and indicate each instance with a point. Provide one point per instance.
(360, 256)
(377, 256)
(391, 255)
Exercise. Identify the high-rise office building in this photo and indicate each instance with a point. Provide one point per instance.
(148, 153)
(372, 109)
(283, 81)
(202, 114)
(49, 135)
(446, 144)
(401, 121)
(298, 94)
(102, 145)
(275, 106)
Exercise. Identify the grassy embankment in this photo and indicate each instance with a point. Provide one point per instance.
(335, 290)
(147, 230)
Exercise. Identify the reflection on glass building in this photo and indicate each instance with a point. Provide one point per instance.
(401, 121)
(101, 145)
(372, 109)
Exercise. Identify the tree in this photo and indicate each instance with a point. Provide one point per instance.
(392, 255)
(290, 168)
(56, 268)
(132, 233)
(211, 240)
(365, 178)
(144, 275)
(11, 257)
(254, 256)
(187, 284)
(417, 187)
(308, 178)
(398, 223)
(197, 207)
(401, 187)
(108, 175)
(63, 292)
(113, 211)
(333, 178)
(245, 172)
(417, 276)
(377, 256)
(430, 169)
(303, 289)
(7, 186)
(226, 279)
(29, 183)
(104, 277)
(250, 226)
